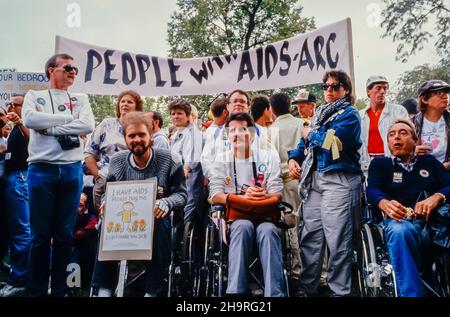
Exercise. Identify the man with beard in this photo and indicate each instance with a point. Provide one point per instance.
(139, 163)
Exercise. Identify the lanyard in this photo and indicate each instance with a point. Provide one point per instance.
(53, 107)
(235, 174)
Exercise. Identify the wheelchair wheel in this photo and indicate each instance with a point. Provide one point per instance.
(287, 262)
(376, 274)
(190, 261)
(214, 262)
(440, 275)
(368, 268)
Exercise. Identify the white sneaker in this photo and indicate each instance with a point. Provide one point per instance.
(104, 292)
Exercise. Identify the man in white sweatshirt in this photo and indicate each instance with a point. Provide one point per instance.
(56, 119)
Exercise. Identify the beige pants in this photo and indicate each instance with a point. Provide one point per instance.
(290, 195)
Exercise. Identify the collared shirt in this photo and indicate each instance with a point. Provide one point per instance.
(188, 144)
(389, 114)
(161, 141)
(106, 140)
(284, 134)
(406, 166)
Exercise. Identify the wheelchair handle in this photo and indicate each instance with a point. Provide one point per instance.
(282, 205)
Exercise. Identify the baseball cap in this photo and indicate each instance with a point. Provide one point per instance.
(432, 85)
(376, 79)
(304, 95)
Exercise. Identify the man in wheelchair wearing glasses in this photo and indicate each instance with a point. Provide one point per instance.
(407, 189)
(252, 175)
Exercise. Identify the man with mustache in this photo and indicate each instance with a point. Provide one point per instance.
(396, 188)
(140, 162)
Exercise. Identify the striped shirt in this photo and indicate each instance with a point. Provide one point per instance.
(163, 165)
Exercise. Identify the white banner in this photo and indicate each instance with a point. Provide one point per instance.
(7, 70)
(20, 83)
(289, 63)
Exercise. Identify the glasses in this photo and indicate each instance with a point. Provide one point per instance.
(235, 101)
(441, 93)
(334, 86)
(12, 104)
(68, 68)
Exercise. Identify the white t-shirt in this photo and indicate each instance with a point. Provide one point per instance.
(434, 135)
(267, 164)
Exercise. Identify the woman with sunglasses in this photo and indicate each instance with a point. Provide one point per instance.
(107, 139)
(330, 180)
(433, 121)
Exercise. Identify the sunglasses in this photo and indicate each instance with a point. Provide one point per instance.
(68, 68)
(12, 104)
(334, 86)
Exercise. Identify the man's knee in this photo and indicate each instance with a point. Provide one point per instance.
(400, 231)
(242, 228)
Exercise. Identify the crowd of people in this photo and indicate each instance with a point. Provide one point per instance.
(55, 165)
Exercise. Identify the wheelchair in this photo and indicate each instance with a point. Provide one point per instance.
(376, 276)
(185, 258)
(374, 273)
(214, 266)
(181, 273)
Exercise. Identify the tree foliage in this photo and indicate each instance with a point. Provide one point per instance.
(409, 22)
(216, 27)
(409, 82)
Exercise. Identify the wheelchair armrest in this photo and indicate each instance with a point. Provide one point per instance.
(285, 208)
(288, 219)
(218, 208)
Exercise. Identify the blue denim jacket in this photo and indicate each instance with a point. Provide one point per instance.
(347, 127)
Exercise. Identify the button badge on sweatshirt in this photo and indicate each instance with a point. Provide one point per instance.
(62, 108)
(228, 180)
(424, 173)
(41, 101)
(398, 178)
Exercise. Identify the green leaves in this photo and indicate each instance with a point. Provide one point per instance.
(408, 22)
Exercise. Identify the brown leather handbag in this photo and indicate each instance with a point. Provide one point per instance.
(238, 207)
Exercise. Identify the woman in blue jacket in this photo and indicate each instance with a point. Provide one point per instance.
(330, 181)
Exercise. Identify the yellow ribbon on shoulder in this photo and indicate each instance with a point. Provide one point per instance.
(332, 142)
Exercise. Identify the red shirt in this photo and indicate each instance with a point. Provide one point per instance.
(375, 145)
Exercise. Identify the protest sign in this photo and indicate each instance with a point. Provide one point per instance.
(127, 226)
(292, 62)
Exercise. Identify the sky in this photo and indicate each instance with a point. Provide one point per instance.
(29, 28)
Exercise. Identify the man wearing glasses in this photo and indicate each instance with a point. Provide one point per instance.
(375, 120)
(16, 203)
(56, 119)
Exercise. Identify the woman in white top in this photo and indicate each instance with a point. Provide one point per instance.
(433, 121)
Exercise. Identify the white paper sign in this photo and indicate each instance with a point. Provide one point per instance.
(128, 220)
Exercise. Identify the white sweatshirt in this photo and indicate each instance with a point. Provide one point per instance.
(39, 115)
